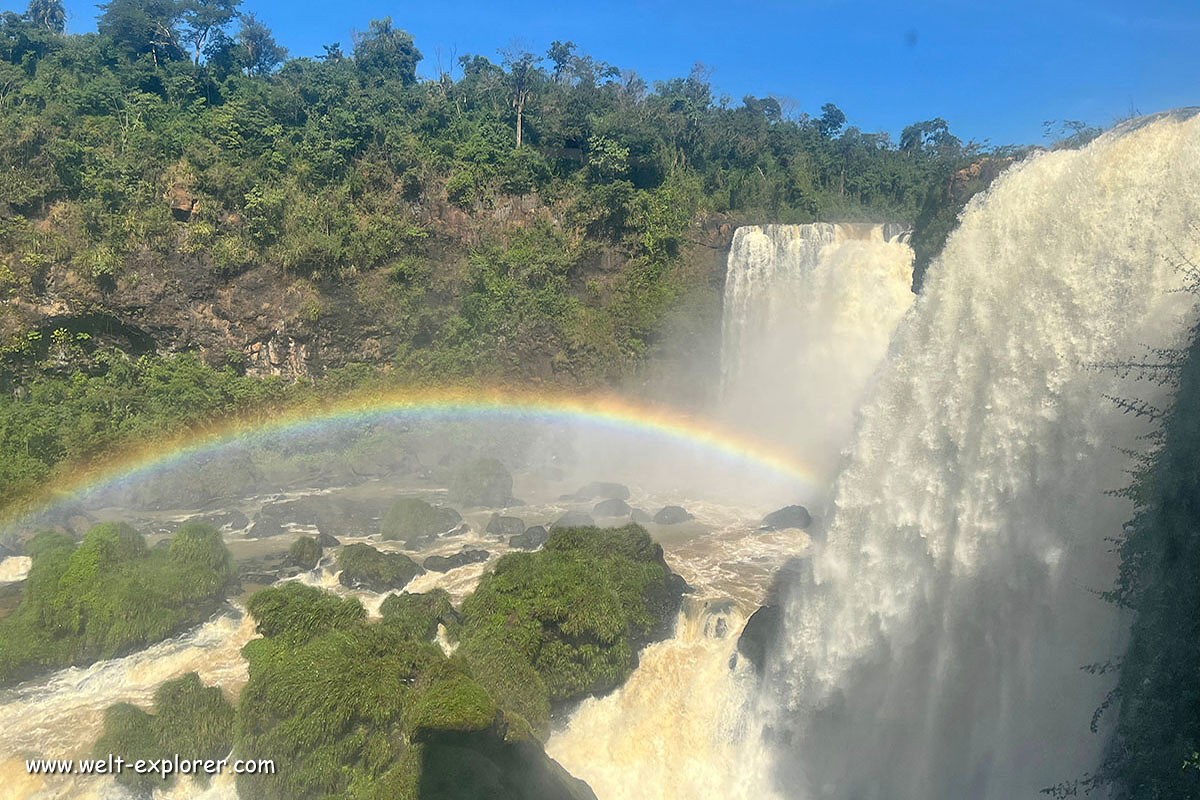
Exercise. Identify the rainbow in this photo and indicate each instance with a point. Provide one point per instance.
(606, 411)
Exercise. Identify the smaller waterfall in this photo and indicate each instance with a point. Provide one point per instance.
(809, 311)
(677, 728)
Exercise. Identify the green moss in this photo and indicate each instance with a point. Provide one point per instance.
(329, 696)
(305, 552)
(413, 521)
(418, 615)
(364, 567)
(109, 596)
(301, 612)
(190, 719)
(567, 621)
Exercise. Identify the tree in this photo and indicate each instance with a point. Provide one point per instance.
(333, 53)
(48, 14)
(522, 71)
(201, 18)
(831, 120)
(562, 55)
(385, 52)
(930, 137)
(143, 27)
(258, 51)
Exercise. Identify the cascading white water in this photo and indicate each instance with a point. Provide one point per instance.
(809, 311)
(933, 650)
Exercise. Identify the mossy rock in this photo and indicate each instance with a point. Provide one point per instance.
(189, 718)
(418, 615)
(305, 552)
(365, 568)
(486, 482)
(415, 522)
(110, 595)
(351, 708)
(549, 627)
(460, 559)
(499, 525)
(533, 538)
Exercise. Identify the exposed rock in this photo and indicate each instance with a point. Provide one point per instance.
(505, 526)
(494, 764)
(612, 507)
(265, 526)
(672, 515)
(266, 570)
(573, 519)
(326, 541)
(485, 483)
(640, 516)
(604, 490)
(447, 563)
(365, 568)
(277, 354)
(416, 522)
(182, 200)
(787, 517)
(760, 636)
(531, 539)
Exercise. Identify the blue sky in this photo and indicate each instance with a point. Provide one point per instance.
(995, 71)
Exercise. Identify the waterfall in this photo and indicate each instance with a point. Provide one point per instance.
(933, 648)
(809, 311)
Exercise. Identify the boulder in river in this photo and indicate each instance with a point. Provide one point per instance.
(305, 552)
(363, 567)
(672, 515)
(326, 541)
(485, 482)
(612, 507)
(574, 519)
(416, 522)
(603, 490)
(760, 636)
(640, 516)
(461, 559)
(505, 526)
(786, 517)
(531, 539)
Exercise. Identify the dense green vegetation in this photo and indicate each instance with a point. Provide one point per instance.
(568, 620)
(110, 595)
(516, 218)
(352, 708)
(73, 417)
(1156, 751)
(190, 719)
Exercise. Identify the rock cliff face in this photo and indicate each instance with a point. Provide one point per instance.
(265, 321)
